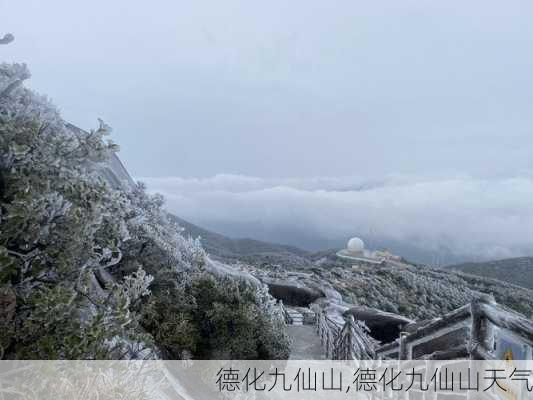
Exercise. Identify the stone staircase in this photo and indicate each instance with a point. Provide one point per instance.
(295, 317)
(305, 343)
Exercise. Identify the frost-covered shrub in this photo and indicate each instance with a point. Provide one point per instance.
(420, 292)
(215, 318)
(83, 263)
(60, 224)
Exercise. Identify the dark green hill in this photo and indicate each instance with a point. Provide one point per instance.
(246, 250)
(518, 271)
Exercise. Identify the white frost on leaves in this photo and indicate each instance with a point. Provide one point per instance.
(136, 285)
(55, 169)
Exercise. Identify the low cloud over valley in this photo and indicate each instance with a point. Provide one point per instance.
(434, 219)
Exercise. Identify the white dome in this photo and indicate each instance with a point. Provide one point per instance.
(355, 245)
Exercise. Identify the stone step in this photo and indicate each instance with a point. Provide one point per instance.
(295, 317)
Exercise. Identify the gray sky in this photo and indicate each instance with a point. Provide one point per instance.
(289, 88)
(292, 89)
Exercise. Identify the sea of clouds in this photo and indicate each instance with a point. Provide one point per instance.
(462, 216)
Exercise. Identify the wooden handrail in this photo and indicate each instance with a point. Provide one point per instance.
(518, 325)
(453, 318)
(346, 341)
(286, 316)
(342, 341)
(450, 354)
(429, 332)
(483, 313)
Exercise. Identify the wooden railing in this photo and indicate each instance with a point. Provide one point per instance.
(468, 332)
(327, 330)
(486, 315)
(286, 316)
(345, 341)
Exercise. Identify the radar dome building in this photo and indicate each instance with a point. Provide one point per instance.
(355, 251)
(355, 245)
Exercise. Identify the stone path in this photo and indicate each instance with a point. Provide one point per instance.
(305, 343)
(295, 316)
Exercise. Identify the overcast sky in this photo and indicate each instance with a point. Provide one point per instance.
(293, 90)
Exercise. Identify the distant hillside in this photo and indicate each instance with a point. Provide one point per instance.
(418, 292)
(518, 271)
(415, 291)
(246, 250)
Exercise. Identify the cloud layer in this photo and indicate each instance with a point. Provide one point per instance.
(465, 217)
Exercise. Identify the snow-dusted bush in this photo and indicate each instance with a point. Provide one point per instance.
(83, 263)
(214, 318)
(60, 225)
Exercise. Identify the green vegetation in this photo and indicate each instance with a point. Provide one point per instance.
(88, 271)
(518, 271)
(420, 292)
(215, 319)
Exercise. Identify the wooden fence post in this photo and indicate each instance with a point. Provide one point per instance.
(350, 345)
(482, 332)
(404, 353)
(406, 350)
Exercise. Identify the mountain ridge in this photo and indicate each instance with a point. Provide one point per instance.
(244, 249)
(518, 270)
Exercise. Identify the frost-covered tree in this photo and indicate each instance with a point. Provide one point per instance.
(85, 266)
(60, 223)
